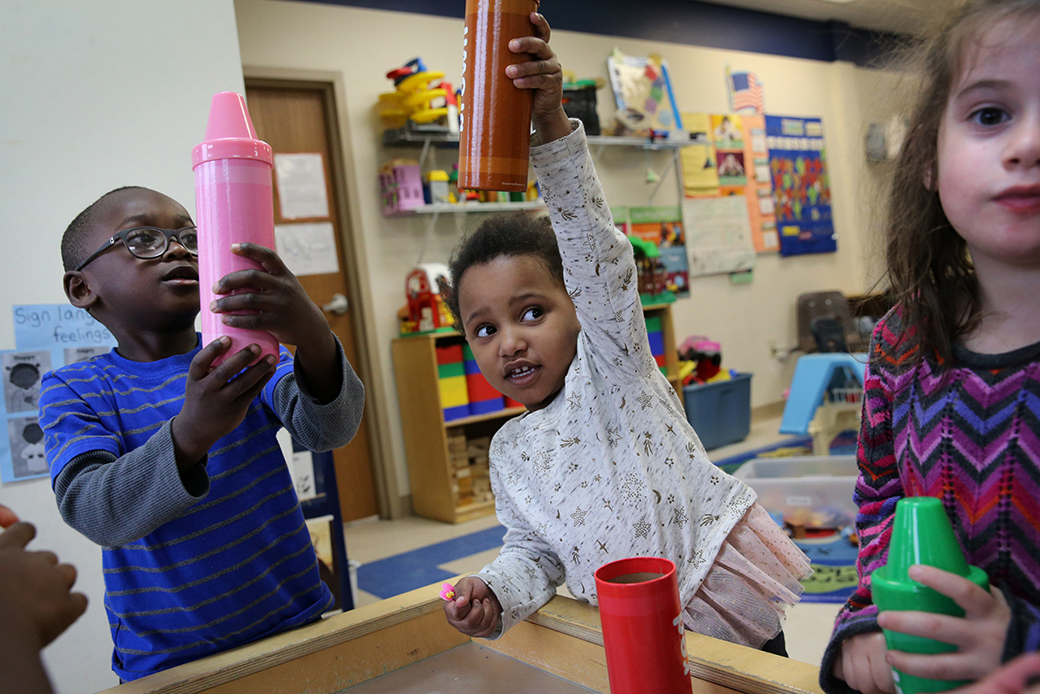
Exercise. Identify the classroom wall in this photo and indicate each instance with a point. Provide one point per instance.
(355, 47)
(93, 96)
(115, 92)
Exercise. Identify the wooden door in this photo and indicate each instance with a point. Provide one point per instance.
(297, 118)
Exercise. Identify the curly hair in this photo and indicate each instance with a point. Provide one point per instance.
(509, 235)
(929, 269)
(75, 240)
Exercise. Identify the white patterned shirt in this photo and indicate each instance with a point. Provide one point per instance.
(610, 468)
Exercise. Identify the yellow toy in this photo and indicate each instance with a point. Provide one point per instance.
(421, 96)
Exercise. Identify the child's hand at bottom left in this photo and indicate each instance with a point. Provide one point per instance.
(36, 601)
(475, 609)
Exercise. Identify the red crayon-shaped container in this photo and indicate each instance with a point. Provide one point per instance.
(233, 204)
(642, 626)
(495, 116)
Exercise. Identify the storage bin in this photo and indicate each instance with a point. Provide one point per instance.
(816, 490)
(720, 412)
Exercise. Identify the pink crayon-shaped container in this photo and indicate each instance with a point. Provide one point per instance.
(233, 204)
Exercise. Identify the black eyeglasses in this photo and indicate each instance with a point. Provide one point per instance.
(149, 242)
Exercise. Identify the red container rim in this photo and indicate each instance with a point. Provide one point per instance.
(620, 567)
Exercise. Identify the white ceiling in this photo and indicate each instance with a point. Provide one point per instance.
(899, 16)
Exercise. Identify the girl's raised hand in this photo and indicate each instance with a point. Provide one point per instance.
(979, 635)
(543, 74)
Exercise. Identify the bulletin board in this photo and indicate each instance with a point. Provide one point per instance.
(801, 186)
(47, 337)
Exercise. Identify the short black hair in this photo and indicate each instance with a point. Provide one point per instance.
(514, 234)
(75, 241)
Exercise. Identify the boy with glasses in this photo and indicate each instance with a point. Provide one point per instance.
(171, 464)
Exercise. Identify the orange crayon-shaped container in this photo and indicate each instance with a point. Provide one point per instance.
(495, 116)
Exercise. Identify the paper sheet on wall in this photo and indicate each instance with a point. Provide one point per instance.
(700, 177)
(300, 464)
(718, 235)
(300, 181)
(47, 336)
(758, 189)
(308, 248)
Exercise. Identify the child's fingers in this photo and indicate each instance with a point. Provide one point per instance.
(78, 604)
(202, 363)
(47, 556)
(250, 382)
(67, 572)
(941, 666)
(1010, 679)
(238, 361)
(537, 49)
(455, 612)
(7, 517)
(18, 535)
(541, 26)
(487, 620)
(270, 260)
(244, 283)
(974, 600)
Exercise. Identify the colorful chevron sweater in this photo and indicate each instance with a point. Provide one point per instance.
(968, 434)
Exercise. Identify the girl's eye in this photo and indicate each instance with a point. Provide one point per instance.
(989, 116)
(484, 331)
(533, 313)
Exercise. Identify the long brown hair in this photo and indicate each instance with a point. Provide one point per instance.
(928, 266)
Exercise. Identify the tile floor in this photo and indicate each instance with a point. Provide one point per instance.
(808, 624)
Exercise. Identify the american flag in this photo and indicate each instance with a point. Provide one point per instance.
(746, 92)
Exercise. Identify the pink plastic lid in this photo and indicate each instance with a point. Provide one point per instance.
(230, 133)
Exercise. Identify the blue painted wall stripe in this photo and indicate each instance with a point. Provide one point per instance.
(689, 23)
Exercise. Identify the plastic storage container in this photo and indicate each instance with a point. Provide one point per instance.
(720, 412)
(818, 488)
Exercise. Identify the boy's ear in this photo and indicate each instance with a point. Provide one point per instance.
(78, 290)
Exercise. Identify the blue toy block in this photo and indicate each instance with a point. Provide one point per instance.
(812, 374)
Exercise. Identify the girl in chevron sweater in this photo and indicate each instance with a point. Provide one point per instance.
(952, 395)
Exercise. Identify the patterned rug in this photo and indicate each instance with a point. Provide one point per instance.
(833, 561)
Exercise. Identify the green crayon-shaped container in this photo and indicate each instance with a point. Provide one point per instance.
(921, 534)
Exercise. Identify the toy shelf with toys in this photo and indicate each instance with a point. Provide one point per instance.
(449, 413)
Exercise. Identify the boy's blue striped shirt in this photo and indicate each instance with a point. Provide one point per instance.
(210, 571)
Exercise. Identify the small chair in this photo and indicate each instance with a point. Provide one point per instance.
(828, 334)
(814, 305)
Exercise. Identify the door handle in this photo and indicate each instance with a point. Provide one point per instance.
(337, 306)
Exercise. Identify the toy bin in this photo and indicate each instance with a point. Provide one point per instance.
(720, 412)
(816, 490)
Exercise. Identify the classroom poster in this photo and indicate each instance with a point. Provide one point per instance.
(643, 94)
(47, 336)
(728, 138)
(801, 187)
(758, 190)
(700, 177)
(718, 235)
(663, 226)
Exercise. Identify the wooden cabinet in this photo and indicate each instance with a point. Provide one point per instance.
(432, 445)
